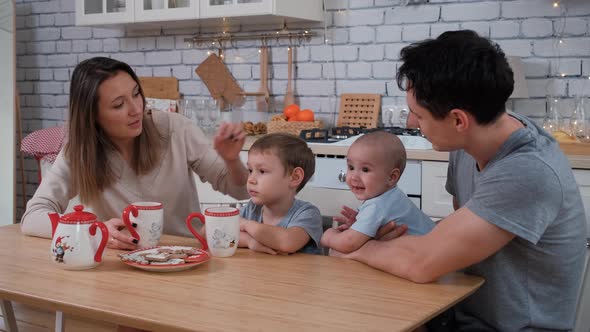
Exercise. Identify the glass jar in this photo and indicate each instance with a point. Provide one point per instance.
(552, 122)
(578, 124)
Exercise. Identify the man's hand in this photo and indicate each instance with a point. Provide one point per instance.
(229, 140)
(347, 217)
(391, 231)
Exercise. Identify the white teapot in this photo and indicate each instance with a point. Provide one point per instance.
(74, 246)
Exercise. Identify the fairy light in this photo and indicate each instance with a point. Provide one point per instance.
(208, 52)
(556, 4)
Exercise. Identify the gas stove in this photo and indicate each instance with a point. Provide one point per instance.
(411, 138)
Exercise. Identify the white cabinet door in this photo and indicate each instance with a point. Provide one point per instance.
(96, 12)
(297, 9)
(166, 10)
(583, 179)
(436, 202)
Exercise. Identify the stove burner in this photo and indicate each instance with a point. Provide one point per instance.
(339, 133)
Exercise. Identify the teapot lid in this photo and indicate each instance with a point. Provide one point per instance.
(79, 215)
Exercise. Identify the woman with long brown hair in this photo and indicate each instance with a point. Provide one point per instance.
(118, 153)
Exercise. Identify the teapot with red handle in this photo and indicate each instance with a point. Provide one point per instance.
(74, 245)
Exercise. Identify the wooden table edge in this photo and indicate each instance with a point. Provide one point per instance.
(89, 312)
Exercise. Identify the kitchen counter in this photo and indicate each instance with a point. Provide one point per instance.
(577, 161)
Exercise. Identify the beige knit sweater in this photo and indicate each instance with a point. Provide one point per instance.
(170, 183)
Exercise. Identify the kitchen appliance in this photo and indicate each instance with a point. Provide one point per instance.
(344, 136)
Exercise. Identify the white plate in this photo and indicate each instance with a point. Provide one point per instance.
(195, 260)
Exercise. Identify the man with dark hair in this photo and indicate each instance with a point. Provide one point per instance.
(519, 220)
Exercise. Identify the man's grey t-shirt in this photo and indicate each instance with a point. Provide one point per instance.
(391, 205)
(529, 190)
(301, 214)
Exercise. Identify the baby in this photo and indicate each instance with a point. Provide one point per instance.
(274, 221)
(376, 161)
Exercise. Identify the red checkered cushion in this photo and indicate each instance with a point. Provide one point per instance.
(44, 144)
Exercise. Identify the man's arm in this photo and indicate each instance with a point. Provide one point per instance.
(287, 240)
(460, 240)
(345, 242)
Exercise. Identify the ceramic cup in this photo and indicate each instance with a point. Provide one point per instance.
(145, 222)
(222, 227)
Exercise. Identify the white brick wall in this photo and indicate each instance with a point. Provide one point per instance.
(364, 37)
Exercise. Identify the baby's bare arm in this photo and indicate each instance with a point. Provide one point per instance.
(345, 242)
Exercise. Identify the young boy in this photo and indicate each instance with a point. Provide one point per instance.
(274, 221)
(376, 161)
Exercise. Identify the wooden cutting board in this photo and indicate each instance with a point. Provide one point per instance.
(359, 110)
(160, 87)
(219, 80)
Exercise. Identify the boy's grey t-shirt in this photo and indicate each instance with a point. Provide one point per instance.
(301, 214)
(529, 190)
(391, 205)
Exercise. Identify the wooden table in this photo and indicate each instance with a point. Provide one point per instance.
(248, 292)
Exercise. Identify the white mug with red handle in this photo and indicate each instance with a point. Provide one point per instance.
(145, 222)
(222, 228)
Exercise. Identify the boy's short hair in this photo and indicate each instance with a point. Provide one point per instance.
(292, 152)
(392, 147)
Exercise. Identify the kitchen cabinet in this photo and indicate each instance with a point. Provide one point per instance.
(436, 202)
(165, 10)
(300, 9)
(98, 12)
(210, 12)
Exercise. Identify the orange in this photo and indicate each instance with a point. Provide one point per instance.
(305, 115)
(291, 111)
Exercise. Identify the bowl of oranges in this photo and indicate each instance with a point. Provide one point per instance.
(293, 120)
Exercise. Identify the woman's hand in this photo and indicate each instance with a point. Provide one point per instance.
(347, 217)
(229, 140)
(117, 239)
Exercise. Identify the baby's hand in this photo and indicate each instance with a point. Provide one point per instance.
(346, 218)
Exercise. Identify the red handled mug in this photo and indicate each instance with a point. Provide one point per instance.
(195, 233)
(222, 227)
